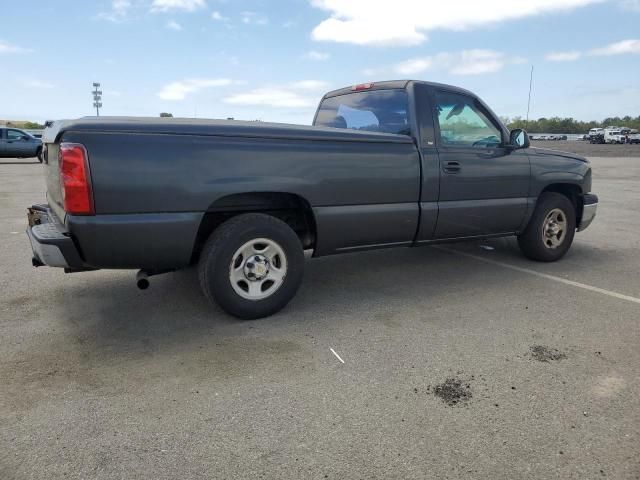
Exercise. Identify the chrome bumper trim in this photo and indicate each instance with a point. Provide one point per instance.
(50, 255)
(588, 214)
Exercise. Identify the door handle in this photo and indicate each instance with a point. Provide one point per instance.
(452, 167)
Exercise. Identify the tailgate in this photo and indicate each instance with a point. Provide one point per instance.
(51, 168)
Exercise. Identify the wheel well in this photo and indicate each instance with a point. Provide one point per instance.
(572, 192)
(292, 209)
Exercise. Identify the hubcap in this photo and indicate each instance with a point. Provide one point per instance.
(258, 269)
(554, 228)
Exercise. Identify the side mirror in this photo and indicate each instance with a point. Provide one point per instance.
(519, 139)
(26, 137)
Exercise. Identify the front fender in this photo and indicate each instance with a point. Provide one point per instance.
(546, 179)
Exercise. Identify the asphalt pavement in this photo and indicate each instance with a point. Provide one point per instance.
(462, 361)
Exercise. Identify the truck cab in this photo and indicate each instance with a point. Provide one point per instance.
(474, 182)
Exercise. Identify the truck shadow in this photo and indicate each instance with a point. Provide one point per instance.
(112, 320)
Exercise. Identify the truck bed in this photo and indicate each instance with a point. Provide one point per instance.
(153, 175)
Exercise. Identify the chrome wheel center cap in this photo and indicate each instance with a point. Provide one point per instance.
(553, 229)
(256, 267)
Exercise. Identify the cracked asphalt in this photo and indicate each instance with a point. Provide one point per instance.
(102, 381)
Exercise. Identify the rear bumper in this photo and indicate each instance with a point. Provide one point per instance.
(50, 243)
(588, 211)
(156, 241)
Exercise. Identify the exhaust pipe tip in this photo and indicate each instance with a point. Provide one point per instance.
(142, 280)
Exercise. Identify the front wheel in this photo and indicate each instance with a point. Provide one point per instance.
(39, 155)
(252, 265)
(550, 231)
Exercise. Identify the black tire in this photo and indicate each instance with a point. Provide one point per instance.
(214, 266)
(39, 155)
(532, 241)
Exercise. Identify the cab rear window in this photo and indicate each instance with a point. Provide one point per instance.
(374, 111)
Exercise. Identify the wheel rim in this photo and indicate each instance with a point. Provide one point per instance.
(258, 269)
(554, 228)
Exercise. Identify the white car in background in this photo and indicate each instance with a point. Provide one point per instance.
(614, 136)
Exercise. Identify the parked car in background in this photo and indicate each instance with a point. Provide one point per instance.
(614, 136)
(19, 144)
(596, 135)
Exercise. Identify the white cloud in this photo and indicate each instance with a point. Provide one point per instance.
(9, 48)
(618, 48)
(185, 5)
(218, 16)
(118, 13)
(477, 62)
(563, 56)
(173, 25)
(38, 84)
(180, 89)
(253, 18)
(270, 97)
(407, 22)
(310, 85)
(466, 62)
(302, 94)
(318, 56)
(413, 66)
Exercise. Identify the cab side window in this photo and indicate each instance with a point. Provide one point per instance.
(463, 123)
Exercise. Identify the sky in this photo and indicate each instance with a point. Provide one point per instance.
(273, 60)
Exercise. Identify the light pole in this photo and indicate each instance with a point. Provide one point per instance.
(97, 98)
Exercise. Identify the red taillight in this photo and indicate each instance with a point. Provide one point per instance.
(362, 86)
(75, 179)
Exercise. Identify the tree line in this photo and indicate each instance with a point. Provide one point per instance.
(22, 124)
(569, 125)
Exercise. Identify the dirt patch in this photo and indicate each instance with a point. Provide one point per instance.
(21, 301)
(543, 353)
(453, 391)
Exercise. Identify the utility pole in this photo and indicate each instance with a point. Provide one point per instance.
(97, 98)
(529, 101)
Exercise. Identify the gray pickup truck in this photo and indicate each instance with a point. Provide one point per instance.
(389, 164)
(16, 143)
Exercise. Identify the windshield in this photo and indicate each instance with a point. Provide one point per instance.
(374, 111)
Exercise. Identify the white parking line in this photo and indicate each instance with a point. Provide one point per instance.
(546, 276)
(337, 356)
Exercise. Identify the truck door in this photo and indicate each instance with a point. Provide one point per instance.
(483, 184)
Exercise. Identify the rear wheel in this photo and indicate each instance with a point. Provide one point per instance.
(550, 232)
(252, 265)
